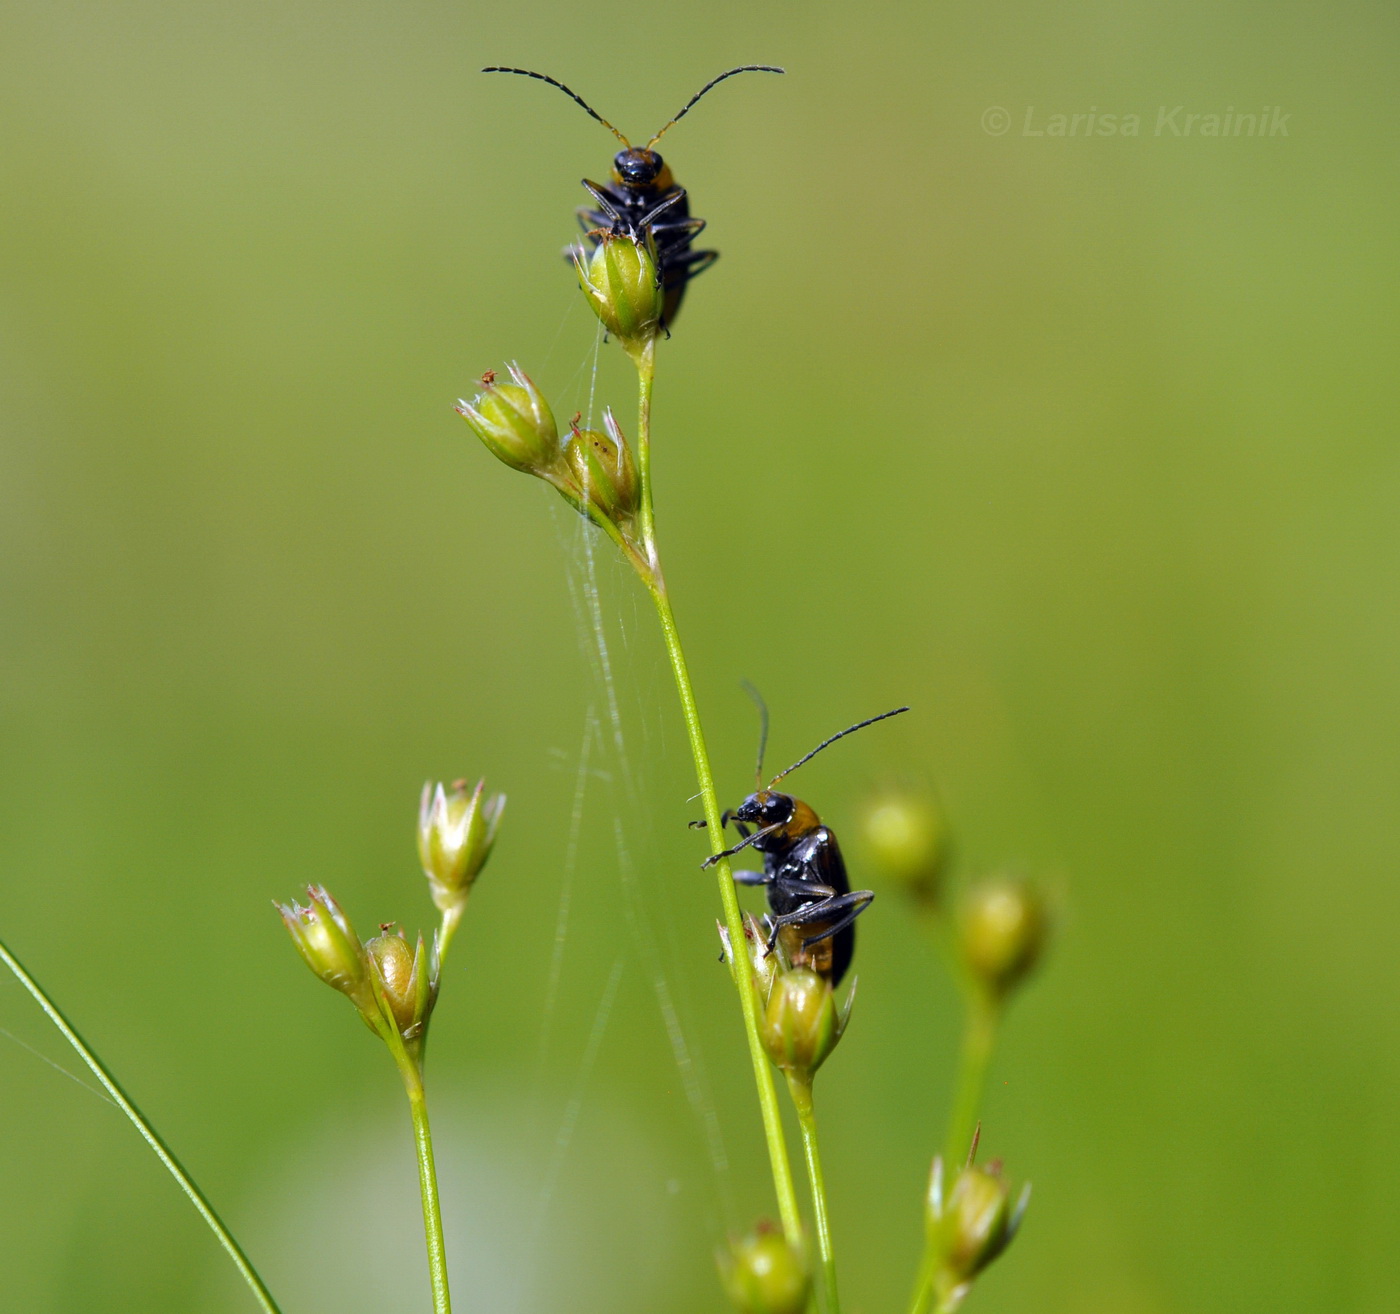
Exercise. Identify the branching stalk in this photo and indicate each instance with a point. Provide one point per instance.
(148, 1133)
(410, 1069)
(740, 967)
(979, 1040)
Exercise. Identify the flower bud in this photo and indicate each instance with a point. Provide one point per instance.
(971, 1228)
(620, 281)
(407, 980)
(803, 1023)
(602, 467)
(763, 1274)
(908, 840)
(325, 939)
(456, 830)
(1002, 929)
(515, 422)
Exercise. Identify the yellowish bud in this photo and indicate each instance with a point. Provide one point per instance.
(620, 281)
(1002, 928)
(763, 1274)
(407, 979)
(908, 840)
(970, 1228)
(802, 1023)
(515, 423)
(602, 467)
(456, 832)
(327, 942)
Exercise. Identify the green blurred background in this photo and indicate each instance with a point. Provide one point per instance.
(1084, 447)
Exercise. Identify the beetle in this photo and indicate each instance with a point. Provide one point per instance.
(642, 200)
(813, 908)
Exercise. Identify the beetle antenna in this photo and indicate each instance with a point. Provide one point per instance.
(714, 82)
(849, 730)
(574, 96)
(758, 702)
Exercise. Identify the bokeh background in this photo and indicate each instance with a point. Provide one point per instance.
(1086, 447)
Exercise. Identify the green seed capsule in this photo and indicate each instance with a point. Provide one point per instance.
(456, 831)
(327, 942)
(802, 1023)
(763, 1274)
(1002, 929)
(408, 980)
(971, 1227)
(908, 840)
(515, 423)
(602, 467)
(619, 279)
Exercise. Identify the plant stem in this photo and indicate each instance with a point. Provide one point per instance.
(807, 1119)
(148, 1133)
(923, 1284)
(451, 920)
(979, 1039)
(427, 1185)
(739, 965)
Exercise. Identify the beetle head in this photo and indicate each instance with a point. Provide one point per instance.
(766, 808)
(637, 166)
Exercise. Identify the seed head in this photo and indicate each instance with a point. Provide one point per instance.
(803, 1022)
(456, 831)
(602, 467)
(325, 939)
(407, 981)
(908, 840)
(1003, 925)
(620, 281)
(764, 1274)
(971, 1227)
(515, 423)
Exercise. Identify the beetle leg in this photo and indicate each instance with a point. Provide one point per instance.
(742, 844)
(604, 203)
(690, 264)
(655, 210)
(747, 877)
(590, 219)
(724, 819)
(689, 226)
(857, 901)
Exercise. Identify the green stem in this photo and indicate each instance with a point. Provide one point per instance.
(451, 920)
(645, 360)
(979, 1039)
(410, 1066)
(807, 1119)
(148, 1133)
(739, 965)
(427, 1185)
(923, 1284)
